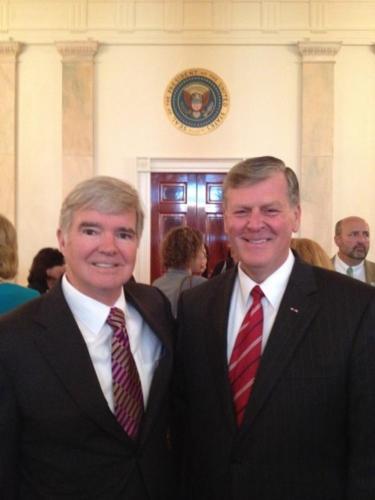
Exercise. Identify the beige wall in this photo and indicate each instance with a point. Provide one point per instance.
(39, 151)
(131, 122)
(354, 159)
(262, 70)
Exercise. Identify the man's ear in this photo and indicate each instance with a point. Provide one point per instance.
(225, 222)
(297, 218)
(61, 240)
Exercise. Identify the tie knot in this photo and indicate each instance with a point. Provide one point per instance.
(116, 318)
(257, 293)
(349, 271)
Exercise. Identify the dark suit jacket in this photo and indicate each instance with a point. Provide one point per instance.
(58, 437)
(309, 427)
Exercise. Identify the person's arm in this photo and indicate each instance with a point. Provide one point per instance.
(8, 438)
(361, 411)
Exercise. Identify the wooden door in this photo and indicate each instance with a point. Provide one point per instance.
(189, 199)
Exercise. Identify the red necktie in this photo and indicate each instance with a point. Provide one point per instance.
(127, 389)
(246, 354)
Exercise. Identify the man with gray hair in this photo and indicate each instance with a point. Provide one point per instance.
(275, 369)
(85, 369)
(352, 236)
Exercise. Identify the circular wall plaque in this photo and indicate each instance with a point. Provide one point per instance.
(196, 101)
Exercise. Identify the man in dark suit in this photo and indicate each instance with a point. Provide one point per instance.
(83, 396)
(280, 406)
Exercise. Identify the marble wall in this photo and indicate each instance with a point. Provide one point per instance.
(300, 78)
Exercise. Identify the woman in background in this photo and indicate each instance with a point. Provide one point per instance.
(11, 294)
(199, 267)
(311, 252)
(179, 250)
(46, 269)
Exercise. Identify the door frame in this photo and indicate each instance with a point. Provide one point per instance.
(147, 166)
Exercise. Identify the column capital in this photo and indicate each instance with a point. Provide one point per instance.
(9, 51)
(319, 51)
(77, 51)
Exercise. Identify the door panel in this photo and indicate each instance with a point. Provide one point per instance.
(187, 199)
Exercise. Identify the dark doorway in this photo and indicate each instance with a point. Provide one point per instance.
(187, 199)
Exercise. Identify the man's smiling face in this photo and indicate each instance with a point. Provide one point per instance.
(259, 220)
(100, 252)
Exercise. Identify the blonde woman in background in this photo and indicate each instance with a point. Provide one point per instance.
(311, 252)
(11, 294)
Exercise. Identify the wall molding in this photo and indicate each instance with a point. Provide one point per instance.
(77, 51)
(9, 51)
(189, 21)
(318, 51)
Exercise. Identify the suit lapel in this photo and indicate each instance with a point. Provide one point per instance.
(216, 340)
(59, 340)
(297, 309)
(161, 377)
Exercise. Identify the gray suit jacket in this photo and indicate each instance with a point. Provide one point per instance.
(58, 436)
(369, 271)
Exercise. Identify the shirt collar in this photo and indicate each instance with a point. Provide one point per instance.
(273, 287)
(91, 313)
(343, 266)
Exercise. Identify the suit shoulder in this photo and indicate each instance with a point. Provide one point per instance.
(211, 287)
(148, 298)
(370, 265)
(21, 313)
(16, 326)
(142, 290)
(342, 284)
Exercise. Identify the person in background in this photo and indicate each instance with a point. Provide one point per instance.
(311, 252)
(180, 249)
(11, 294)
(46, 269)
(275, 362)
(85, 369)
(226, 264)
(199, 266)
(352, 236)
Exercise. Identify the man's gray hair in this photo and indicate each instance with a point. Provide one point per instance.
(254, 170)
(107, 195)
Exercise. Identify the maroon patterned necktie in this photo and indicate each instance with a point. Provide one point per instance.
(245, 358)
(127, 389)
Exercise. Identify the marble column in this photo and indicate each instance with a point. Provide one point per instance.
(8, 98)
(77, 111)
(317, 142)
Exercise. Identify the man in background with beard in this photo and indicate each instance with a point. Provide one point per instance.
(352, 236)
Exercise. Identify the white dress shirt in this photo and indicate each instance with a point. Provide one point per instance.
(358, 271)
(273, 288)
(91, 317)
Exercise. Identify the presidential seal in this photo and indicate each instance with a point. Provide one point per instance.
(196, 101)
